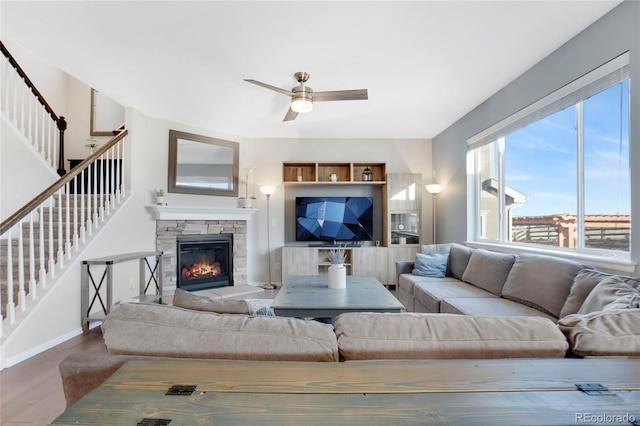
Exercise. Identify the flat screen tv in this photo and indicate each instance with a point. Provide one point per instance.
(334, 219)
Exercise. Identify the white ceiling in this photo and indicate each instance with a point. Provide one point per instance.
(425, 63)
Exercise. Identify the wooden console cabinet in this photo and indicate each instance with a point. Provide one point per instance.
(378, 262)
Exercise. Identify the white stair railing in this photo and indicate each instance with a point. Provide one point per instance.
(97, 186)
(29, 112)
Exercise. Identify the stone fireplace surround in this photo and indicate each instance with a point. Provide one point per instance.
(173, 221)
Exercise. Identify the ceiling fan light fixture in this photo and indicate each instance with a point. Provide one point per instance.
(301, 104)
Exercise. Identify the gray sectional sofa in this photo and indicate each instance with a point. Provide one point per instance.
(482, 282)
(485, 305)
(150, 331)
(599, 313)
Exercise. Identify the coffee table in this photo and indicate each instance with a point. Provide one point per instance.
(306, 296)
(496, 392)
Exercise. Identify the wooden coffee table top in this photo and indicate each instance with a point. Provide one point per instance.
(429, 392)
(309, 296)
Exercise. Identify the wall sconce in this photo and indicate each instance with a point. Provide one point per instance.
(268, 190)
(434, 189)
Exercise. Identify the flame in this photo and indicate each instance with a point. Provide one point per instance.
(203, 268)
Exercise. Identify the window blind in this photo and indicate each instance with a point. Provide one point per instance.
(601, 78)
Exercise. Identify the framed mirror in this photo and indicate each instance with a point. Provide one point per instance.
(202, 165)
(106, 115)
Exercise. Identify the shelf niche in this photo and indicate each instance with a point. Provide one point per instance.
(301, 173)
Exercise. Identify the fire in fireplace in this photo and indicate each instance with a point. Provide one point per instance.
(204, 261)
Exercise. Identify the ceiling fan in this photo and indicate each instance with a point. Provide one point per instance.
(302, 96)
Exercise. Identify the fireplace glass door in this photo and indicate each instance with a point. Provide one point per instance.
(204, 261)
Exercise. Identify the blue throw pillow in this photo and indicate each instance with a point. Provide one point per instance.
(430, 265)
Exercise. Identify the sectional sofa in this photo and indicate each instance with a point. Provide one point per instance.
(509, 321)
(599, 313)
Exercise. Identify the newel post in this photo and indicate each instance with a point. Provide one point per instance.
(62, 126)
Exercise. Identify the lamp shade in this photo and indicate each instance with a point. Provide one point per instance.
(267, 190)
(301, 105)
(434, 188)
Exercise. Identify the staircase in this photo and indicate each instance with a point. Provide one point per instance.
(34, 250)
(43, 237)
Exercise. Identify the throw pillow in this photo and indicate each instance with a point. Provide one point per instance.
(488, 270)
(583, 283)
(459, 258)
(605, 333)
(611, 293)
(195, 302)
(433, 265)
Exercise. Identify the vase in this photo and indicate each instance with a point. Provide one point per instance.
(337, 276)
(245, 203)
(159, 199)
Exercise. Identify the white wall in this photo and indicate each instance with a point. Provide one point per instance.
(133, 227)
(23, 172)
(616, 32)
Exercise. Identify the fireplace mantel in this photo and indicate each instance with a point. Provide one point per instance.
(199, 213)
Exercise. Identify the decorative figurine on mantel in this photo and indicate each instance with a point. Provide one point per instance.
(159, 193)
(247, 201)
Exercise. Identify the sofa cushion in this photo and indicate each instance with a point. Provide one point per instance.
(430, 265)
(198, 302)
(368, 336)
(160, 330)
(435, 248)
(582, 285)
(610, 294)
(431, 291)
(488, 270)
(458, 259)
(605, 333)
(542, 282)
(494, 306)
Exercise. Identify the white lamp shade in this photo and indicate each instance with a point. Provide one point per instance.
(434, 188)
(267, 190)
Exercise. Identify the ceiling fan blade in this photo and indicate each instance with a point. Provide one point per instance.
(341, 95)
(291, 115)
(270, 87)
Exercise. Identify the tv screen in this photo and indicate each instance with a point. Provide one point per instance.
(334, 218)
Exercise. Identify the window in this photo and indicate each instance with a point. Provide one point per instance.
(557, 173)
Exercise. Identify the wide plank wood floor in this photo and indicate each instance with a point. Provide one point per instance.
(31, 391)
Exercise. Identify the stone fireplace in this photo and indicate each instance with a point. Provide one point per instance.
(173, 223)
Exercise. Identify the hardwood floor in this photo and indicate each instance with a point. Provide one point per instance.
(31, 391)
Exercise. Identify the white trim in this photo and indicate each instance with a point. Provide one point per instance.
(16, 359)
(617, 265)
(199, 213)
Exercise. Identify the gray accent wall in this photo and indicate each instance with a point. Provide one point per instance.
(613, 34)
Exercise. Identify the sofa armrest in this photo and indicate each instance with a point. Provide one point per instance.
(404, 267)
(81, 373)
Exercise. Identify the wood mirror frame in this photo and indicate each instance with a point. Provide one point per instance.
(106, 115)
(202, 165)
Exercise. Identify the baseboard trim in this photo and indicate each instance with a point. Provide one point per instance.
(16, 359)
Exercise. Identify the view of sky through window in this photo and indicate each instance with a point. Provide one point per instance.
(540, 159)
